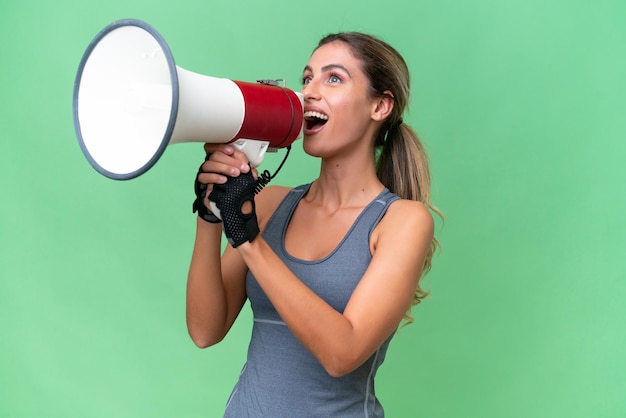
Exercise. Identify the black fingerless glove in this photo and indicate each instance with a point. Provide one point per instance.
(235, 200)
(198, 204)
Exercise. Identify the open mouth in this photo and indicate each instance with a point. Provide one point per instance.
(313, 121)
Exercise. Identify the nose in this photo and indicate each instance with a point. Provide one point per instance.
(310, 91)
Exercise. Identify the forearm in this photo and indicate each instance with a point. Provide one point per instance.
(325, 332)
(207, 308)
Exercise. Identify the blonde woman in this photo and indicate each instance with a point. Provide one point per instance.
(332, 267)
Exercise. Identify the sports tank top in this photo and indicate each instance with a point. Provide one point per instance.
(280, 377)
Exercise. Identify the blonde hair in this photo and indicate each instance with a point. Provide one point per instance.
(401, 159)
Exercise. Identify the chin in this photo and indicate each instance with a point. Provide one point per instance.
(311, 150)
(314, 146)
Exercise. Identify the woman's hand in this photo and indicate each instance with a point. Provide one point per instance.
(228, 182)
(223, 161)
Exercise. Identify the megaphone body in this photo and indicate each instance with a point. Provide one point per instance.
(131, 101)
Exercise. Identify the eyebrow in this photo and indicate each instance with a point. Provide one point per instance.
(329, 67)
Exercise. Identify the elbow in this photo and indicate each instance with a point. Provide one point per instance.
(204, 341)
(340, 366)
(338, 371)
(201, 343)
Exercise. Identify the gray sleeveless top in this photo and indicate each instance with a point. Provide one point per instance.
(280, 377)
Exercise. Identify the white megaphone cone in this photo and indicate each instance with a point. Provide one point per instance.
(131, 101)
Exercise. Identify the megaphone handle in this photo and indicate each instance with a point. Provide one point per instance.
(254, 149)
(215, 210)
(262, 181)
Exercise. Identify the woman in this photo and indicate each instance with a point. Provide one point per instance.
(337, 263)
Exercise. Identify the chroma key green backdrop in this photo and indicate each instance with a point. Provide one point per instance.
(521, 106)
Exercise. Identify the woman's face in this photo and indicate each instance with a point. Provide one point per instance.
(337, 108)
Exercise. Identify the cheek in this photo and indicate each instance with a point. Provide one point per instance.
(354, 101)
(346, 113)
(352, 117)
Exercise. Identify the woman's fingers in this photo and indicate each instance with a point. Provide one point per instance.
(212, 178)
(225, 160)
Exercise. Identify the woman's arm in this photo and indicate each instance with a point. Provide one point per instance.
(343, 341)
(215, 286)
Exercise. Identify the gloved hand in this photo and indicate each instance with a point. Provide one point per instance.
(235, 200)
(198, 204)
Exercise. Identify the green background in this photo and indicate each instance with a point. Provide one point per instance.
(521, 105)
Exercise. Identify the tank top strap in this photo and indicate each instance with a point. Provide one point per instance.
(371, 215)
(273, 235)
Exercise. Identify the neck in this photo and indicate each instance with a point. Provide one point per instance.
(345, 183)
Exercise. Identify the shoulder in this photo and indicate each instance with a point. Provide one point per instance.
(268, 200)
(412, 209)
(406, 221)
(409, 214)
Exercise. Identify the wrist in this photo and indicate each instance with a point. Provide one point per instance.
(249, 248)
(204, 227)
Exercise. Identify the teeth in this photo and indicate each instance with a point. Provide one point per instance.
(318, 115)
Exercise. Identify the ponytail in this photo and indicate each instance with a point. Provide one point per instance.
(402, 166)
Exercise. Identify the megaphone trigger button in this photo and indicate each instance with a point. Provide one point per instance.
(268, 82)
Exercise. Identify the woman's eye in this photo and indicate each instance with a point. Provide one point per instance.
(306, 80)
(334, 79)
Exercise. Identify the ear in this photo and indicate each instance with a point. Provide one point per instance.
(383, 106)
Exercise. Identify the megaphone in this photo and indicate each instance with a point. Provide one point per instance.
(131, 101)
